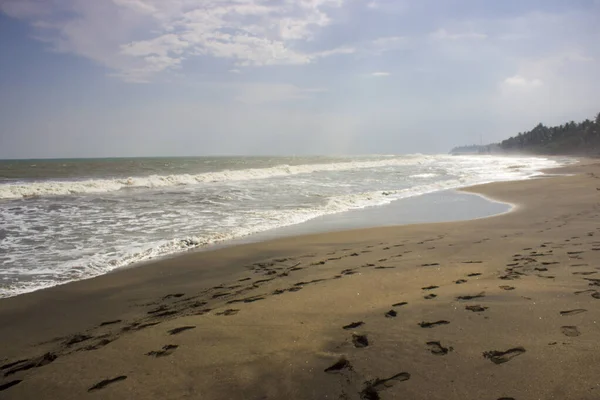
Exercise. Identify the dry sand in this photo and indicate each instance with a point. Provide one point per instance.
(506, 307)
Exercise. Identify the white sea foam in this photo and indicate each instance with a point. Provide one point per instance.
(62, 188)
(235, 210)
(101, 264)
(427, 175)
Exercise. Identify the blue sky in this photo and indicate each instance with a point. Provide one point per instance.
(81, 78)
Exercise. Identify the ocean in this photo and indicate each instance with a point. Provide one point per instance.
(67, 220)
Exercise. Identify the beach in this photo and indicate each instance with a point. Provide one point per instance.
(505, 307)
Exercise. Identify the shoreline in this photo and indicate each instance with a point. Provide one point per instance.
(264, 320)
(188, 242)
(322, 224)
(267, 236)
(318, 225)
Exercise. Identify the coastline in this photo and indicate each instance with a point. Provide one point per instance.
(309, 287)
(150, 225)
(457, 206)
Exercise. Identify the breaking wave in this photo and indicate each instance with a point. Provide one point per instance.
(65, 188)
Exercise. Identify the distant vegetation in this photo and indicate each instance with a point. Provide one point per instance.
(572, 138)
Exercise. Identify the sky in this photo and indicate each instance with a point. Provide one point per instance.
(115, 78)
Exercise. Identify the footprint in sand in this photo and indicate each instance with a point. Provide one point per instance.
(570, 331)
(360, 341)
(471, 297)
(476, 308)
(173, 296)
(77, 338)
(430, 287)
(373, 387)
(430, 296)
(136, 326)
(247, 299)
(339, 365)
(229, 311)
(506, 287)
(98, 345)
(106, 382)
(458, 282)
(165, 351)
(180, 329)
(24, 365)
(116, 321)
(402, 303)
(573, 312)
(391, 314)
(589, 291)
(500, 357)
(433, 324)
(10, 384)
(353, 325)
(437, 348)
(593, 281)
(546, 276)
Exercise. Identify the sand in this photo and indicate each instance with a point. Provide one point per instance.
(506, 307)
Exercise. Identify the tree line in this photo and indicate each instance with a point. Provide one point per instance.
(569, 138)
(572, 138)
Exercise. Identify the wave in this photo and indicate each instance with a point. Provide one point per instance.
(65, 188)
(467, 173)
(270, 219)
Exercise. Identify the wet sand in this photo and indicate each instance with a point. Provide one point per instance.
(444, 206)
(506, 307)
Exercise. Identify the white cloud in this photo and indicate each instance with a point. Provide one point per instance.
(235, 71)
(520, 81)
(548, 71)
(247, 32)
(249, 50)
(380, 74)
(302, 28)
(443, 34)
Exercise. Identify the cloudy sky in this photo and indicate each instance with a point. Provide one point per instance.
(83, 78)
